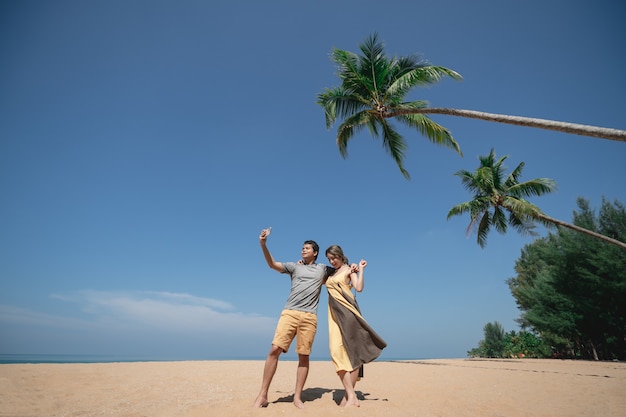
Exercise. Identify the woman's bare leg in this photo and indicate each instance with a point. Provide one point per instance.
(349, 381)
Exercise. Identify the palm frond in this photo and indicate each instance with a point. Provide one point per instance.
(328, 100)
(395, 145)
(354, 81)
(420, 76)
(349, 128)
(406, 106)
(499, 220)
(521, 206)
(400, 77)
(433, 131)
(347, 63)
(488, 160)
(374, 66)
(483, 230)
(372, 48)
(337, 102)
(535, 187)
(459, 209)
(524, 225)
(526, 211)
(468, 181)
(373, 125)
(484, 180)
(477, 209)
(515, 175)
(480, 204)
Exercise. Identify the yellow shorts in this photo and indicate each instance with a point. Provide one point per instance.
(294, 323)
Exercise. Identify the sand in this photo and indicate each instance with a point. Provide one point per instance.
(446, 387)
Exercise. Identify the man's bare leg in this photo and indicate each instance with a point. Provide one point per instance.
(271, 363)
(301, 375)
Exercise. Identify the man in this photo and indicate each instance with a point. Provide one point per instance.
(299, 317)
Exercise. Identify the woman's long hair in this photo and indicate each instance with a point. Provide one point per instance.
(337, 251)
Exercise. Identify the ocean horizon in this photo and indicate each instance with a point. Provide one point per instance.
(102, 358)
(91, 358)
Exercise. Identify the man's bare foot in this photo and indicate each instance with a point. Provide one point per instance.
(260, 402)
(298, 403)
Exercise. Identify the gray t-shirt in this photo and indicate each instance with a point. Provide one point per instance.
(306, 284)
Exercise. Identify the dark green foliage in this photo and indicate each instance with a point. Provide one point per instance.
(498, 344)
(571, 288)
(525, 344)
(494, 340)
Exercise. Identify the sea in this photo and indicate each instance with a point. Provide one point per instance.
(66, 358)
(60, 358)
(57, 358)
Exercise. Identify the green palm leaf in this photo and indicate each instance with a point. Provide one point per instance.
(496, 194)
(374, 83)
(493, 198)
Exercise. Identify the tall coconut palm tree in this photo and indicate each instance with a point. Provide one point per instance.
(373, 89)
(495, 194)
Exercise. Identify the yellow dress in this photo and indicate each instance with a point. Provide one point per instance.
(352, 341)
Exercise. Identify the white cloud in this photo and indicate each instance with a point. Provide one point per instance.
(163, 311)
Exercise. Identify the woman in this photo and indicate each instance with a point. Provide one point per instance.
(352, 341)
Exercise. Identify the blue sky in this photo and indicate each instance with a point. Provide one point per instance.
(145, 144)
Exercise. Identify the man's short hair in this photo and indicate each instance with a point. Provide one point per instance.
(314, 245)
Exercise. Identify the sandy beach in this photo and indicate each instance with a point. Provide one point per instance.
(443, 387)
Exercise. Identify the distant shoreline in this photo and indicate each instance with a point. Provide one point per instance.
(6, 359)
(90, 358)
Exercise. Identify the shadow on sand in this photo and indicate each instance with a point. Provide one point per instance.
(312, 394)
(309, 394)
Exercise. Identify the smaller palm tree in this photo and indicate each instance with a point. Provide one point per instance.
(496, 195)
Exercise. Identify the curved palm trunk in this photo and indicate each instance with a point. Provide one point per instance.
(582, 230)
(574, 128)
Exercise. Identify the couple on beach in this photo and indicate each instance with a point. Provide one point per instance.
(352, 341)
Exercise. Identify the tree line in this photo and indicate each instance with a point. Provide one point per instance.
(571, 291)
